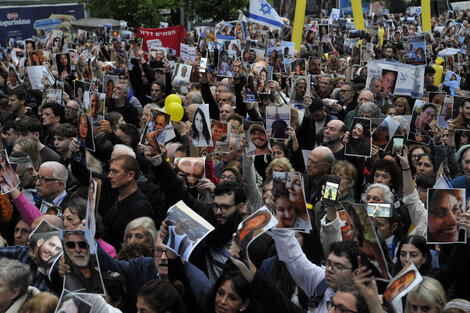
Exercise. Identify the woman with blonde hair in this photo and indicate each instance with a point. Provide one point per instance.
(402, 107)
(279, 165)
(29, 146)
(428, 296)
(141, 230)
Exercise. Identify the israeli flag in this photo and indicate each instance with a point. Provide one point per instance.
(262, 13)
(334, 15)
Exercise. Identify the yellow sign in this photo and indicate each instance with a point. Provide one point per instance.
(299, 23)
(357, 14)
(426, 14)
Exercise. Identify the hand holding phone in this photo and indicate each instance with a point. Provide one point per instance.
(330, 194)
(203, 65)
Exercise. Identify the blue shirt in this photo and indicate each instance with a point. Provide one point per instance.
(21, 253)
(461, 182)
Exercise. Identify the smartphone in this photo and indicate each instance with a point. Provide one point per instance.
(330, 195)
(379, 209)
(397, 146)
(203, 65)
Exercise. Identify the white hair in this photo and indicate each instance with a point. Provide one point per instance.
(125, 150)
(403, 123)
(60, 172)
(388, 194)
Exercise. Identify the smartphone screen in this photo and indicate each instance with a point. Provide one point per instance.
(379, 210)
(203, 65)
(330, 195)
(397, 147)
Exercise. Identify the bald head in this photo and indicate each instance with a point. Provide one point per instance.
(54, 220)
(365, 96)
(320, 161)
(334, 132)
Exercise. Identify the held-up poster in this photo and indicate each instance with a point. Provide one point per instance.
(170, 37)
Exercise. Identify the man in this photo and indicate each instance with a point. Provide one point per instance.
(347, 100)
(226, 111)
(389, 53)
(320, 161)
(21, 234)
(143, 269)
(217, 130)
(462, 121)
(300, 88)
(364, 96)
(71, 112)
(51, 185)
(259, 139)
(52, 115)
(130, 204)
(464, 180)
(144, 117)
(333, 138)
(233, 155)
(25, 254)
(15, 278)
(161, 121)
(315, 118)
(120, 104)
(278, 127)
(379, 96)
(314, 66)
(10, 134)
(157, 93)
(96, 109)
(429, 72)
(214, 104)
(318, 283)
(178, 239)
(63, 135)
(84, 275)
(48, 249)
(26, 172)
(32, 128)
(16, 104)
(229, 199)
(326, 86)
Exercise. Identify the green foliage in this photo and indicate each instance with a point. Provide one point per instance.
(215, 10)
(135, 12)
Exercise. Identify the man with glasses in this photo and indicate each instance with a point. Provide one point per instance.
(84, 275)
(71, 112)
(211, 254)
(319, 283)
(319, 164)
(347, 100)
(51, 184)
(26, 172)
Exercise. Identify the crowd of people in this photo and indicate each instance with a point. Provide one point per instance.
(381, 143)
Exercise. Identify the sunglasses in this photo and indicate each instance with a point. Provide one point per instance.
(73, 244)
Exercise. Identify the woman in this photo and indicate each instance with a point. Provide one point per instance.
(360, 140)
(402, 106)
(29, 147)
(428, 296)
(279, 150)
(414, 248)
(201, 133)
(63, 64)
(140, 230)
(415, 152)
(279, 165)
(391, 232)
(80, 93)
(296, 195)
(158, 296)
(230, 294)
(284, 210)
(444, 215)
(420, 122)
(83, 126)
(387, 172)
(425, 165)
(262, 78)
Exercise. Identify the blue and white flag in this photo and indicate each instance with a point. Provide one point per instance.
(262, 13)
(334, 15)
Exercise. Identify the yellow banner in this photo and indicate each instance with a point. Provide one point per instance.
(357, 14)
(426, 15)
(299, 23)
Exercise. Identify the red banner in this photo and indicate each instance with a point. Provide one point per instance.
(171, 37)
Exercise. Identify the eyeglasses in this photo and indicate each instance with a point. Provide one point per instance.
(73, 244)
(339, 308)
(416, 156)
(344, 90)
(159, 251)
(43, 179)
(335, 266)
(223, 207)
(231, 177)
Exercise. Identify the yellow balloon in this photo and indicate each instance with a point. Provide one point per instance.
(175, 110)
(173, 98)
